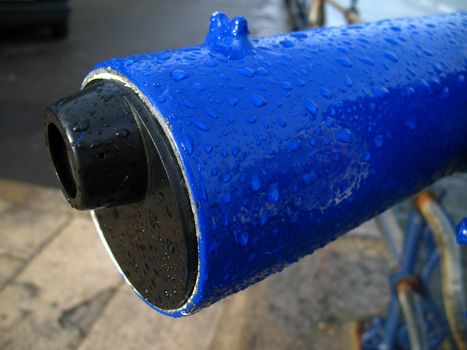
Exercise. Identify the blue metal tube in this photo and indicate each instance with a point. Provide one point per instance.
(287, 142)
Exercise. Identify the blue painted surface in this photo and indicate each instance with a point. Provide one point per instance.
(290, 141)
(462, 232)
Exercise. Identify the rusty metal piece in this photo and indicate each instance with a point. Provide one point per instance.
(411, 306)
(451, 268)
(408, 282)
(317, 15)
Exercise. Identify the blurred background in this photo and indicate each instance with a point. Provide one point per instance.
(58, 289)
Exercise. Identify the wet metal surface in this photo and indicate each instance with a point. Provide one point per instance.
(330, 115)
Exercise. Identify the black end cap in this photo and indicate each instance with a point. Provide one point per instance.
(96, 147)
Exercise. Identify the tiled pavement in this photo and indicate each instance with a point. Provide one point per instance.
(59, 290)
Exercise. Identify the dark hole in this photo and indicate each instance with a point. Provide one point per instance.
(58, 151)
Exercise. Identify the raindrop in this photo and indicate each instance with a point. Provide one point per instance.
(273, 193)
(226, 178)
(286, 85)
(251, 119)
(255, 183)
(379, 91)
(391, 56)
(122, 133)
(81, 125)
(310, 106)
(367, 60)
(262, 71)
(198, 87)
(258, 100)
(344, 135)
(232, 101)
(411, 122)
(378, 141)
(281, 122)
(243, 238)
(246, 72)
(210, 63)
(344, 62)
(287, 43)
(390, 41)
(294, 145)
(178, 74)
(187, 144)
(347, 81)
(200, 125)
(309, 178)
(325, 93)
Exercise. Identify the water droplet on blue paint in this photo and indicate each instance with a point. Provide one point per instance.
(281, 122)
(226, 178)
(309, 178)
(246, 72)
(178, 74)
(344, 62)
(286, 85)
(255, 183)
(390, 41)
(198, 86)
(391, 56)
(367, 60)
(258, 100)
(294, 145)
(411, 122)
(378, 141)
(251, 119)
(210, 63)
(379, 91)
(310, 106)
(244, 238)
(325, 93)
(347, 81)
(187, 144)
(200, 125)
(299, 35)
(273, 193)
(262, 71)
(344, 135)
(287, 43)
(210, 112)
(232, 101)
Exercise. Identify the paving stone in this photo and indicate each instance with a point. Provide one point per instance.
(311, 304)
(128, 324)
(28, 195)
(4, 205)
(23, 232)
(54, 301)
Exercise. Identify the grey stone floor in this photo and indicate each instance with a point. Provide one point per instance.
(59, 290)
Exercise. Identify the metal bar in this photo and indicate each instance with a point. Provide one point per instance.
(451, 269)
(413, 314)
(391, 233)
(392, 322)
(317, 15)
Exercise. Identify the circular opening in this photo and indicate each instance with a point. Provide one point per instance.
(59, 153)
